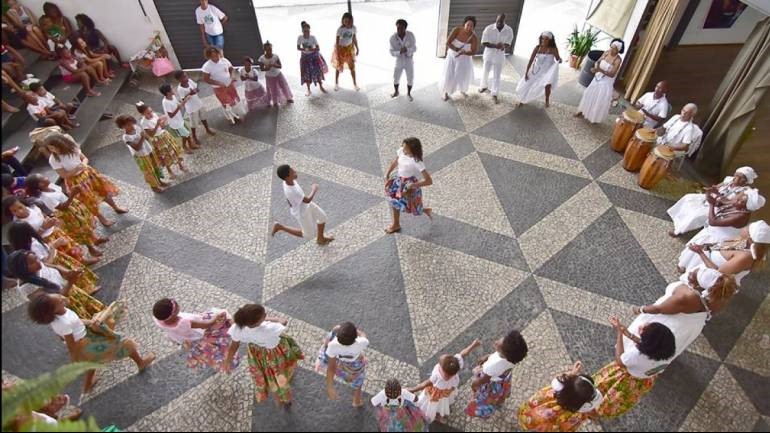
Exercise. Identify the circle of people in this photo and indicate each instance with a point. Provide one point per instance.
(54, 240)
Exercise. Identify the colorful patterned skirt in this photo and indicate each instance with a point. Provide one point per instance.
(87, 281)
(489, 397)
(103, 345)
(167, 148)
(344, 56)
(211, 350)
(273, 369)
(312, 67)
(94, 188)
(278, 91)
(70, 247)
(227, 96)
(83, 304)
(352, 373)
(406, 418)
(256, 95)
(151, 169)
(621, 390)
(78, 222)
(542, 413)
(401, 199)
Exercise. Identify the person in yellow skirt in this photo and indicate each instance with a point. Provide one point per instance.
(345, 50)
(77, 221)
(138, 142)
(167, 147)
(70, 163)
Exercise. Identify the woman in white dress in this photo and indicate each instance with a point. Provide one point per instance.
(542, 72)
(461, 44)
(597, 98)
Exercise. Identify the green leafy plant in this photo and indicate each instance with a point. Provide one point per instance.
(33, 394)
(580, 43)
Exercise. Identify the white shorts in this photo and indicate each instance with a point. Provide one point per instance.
(196, 117)
(310, 218)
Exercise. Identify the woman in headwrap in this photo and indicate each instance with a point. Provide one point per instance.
(41, 278)
(597, 98)
(737, 256)
(691, 212)
(542, 73)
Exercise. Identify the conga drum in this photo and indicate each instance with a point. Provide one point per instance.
(625, 126)
(655, 166)
(638, 148)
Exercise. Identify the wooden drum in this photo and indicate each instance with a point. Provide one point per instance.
(655, 166)
(638, 148)
(625, 126)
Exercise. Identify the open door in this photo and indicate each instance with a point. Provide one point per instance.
(242, 36)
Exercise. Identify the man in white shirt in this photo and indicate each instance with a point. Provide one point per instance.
(680, 133)
(402, 47)
(210, 20)
(302, 207)
(654, 105)
(497, 38)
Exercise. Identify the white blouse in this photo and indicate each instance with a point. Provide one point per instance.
(66, 162)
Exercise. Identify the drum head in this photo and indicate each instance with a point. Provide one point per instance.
(664, 152)
(634, 116)
(646, 134)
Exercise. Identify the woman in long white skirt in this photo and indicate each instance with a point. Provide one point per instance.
(542, 72)
(461, 44)
(597, 98)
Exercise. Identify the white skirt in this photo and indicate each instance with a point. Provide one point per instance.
(709, 235)
(433, 408)
(458, 74)
(539, 77)
(691, 212)
(596, 100)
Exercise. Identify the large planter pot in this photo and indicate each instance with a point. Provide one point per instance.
(574, 61)
(585, 74)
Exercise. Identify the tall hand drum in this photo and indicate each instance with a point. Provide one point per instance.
(655, 166)
(638, 148)
(625, 126)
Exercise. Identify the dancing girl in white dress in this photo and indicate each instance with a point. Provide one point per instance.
(542, 72)
(596, 100)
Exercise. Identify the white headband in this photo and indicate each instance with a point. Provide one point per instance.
(617, 44)
(588, 406)
(707, 277)
(760, 234)
(547, 34)
(754, 201)
(748, 173)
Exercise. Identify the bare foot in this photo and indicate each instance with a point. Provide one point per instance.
(100, 241)
(336, 87)
(680, 270)
(158, 189)
(409, 95)
(494, 98)
(483, 90)
(358, 89)
(276, 229)
(673, 234)
(579, 114)
(307, 93)
(93, 94)
(107, 223)
(358, 403)
(210, 132)
(429, 213)
(446, 96)
(120, 210)
(88, 387)
(290, 101)
(465, 95)
(547, 104)
(12, 109)
(391, 230)
(324, 90)
(325, 240)
(94, 251)
(394, 95)
(96, 289)
(90, 261)
(146, 362)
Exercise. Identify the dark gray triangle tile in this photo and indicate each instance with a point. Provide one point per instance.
(111, 278)
(202, 261)
(756, 387)
(427, 106)
(143, 394)
(311, 409)
(724, 330)
(345, 94)
(568, 93)
(115, 161)
(450, 153)
(607, 260)
(457, 235)
(350, 142)
(188, 190)
(601, 160)
(637, 201)
(587, 341)
(349, 289)
(30, 349)
(761, 426)
(338, 201)
(529, 193)
(528, 126)
(258, 125)
(515, 311)
(132, 95)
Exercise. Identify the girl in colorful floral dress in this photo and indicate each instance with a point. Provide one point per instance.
(167, 148)
(312, 65)
(402, 183)
(396, 410)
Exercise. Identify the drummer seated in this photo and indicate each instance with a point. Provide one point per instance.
(654, 105)
(680, 133)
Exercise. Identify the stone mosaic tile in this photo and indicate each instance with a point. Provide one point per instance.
(308, 115)
(479, 206)
(137, 200)
(747, 352)
(541, 241)
(451, 153)
(602, 159)
(12, 298)
(120, 244)
(618, 176)
(651, 233)
(470, 280)
(723, 406)
(261, 125)
(479, 109)
(111, 279)
(762, 425)
(246, 237)
(755, 386)
(638, 202)
(350, 177)
(522, 190)
(24, 341)
(584, 137)
(427, 107)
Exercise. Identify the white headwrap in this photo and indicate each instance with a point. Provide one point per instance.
(617, 44)
(754, 201)
(588, 406)
(748, 173)
(547, 34)
(707, 277)
(760, 234)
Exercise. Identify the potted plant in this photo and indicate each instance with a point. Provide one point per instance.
(579, 44)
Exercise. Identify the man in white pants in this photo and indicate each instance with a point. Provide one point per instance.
(402, 47)
(309, 215)
(497, 38)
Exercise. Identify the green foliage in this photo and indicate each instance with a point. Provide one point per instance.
(579, 44)
(33, 394)
(88, 425)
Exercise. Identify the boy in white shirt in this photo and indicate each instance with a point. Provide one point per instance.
(210, 20)
(193, 108)
(303, 209)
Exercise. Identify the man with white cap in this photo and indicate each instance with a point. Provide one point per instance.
(733, 256)
(691, 212)
(497, 38)
(680, 133)
(654, 105)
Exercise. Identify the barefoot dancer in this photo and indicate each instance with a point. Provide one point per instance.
(303, 209)
(402, 185)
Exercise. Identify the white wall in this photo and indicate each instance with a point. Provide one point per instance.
(121, 21)
(737, 34)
